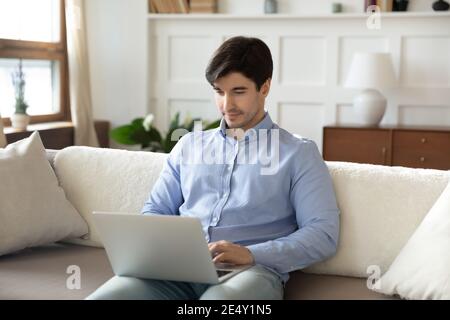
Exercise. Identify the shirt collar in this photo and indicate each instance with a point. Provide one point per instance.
(266, 123)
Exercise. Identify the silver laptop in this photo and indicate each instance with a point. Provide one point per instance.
(159, 247)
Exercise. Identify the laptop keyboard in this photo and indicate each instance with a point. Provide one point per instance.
(221, 273)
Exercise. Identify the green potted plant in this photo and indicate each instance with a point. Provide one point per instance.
(20, 118)
(142, 132)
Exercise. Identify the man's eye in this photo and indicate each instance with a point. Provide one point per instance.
(239, 92)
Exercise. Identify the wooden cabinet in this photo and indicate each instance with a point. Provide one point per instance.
(416, 147)
(421, 149)
(357, 145)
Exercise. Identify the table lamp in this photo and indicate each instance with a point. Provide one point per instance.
(370, 71)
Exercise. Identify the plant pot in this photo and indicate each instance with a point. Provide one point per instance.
(20, 121)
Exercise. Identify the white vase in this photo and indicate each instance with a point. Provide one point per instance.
(369, 107)
(20, 121)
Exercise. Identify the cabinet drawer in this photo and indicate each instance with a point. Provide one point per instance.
(355, 145)
(420, 149)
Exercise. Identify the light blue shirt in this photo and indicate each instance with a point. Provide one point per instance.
(269, 191)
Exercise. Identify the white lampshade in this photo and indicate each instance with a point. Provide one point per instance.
(371, 70)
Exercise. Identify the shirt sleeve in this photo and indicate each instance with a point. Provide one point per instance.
(166, 196)
(313, 198)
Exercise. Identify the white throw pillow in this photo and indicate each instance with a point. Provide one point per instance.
(33, 207)
(422, 268)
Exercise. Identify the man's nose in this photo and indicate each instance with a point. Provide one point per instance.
(227, 102)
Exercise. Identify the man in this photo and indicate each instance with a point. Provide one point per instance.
(264, 197)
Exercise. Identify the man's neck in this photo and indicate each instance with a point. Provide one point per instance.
(258, 117)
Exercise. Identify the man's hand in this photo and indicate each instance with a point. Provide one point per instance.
(228, 252)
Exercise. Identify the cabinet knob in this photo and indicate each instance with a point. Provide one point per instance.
(423, 140)
(383, 150)
(422, 159)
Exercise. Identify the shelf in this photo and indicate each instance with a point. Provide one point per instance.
(224, 16)
(41, 126)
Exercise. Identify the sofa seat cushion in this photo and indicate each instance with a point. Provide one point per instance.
(41, 272)
(307, 286)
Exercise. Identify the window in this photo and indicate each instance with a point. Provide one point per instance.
(33, 32)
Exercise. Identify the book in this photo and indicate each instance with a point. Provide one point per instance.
(389, 5)
(368, 3)
(184, 6)
(203, 6)
(385, 5)
(151, 7)
(162, 6)
(172, 6)
(157, 6)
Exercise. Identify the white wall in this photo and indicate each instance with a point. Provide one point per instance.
(118, 39)
(117, 42)
(311, 60)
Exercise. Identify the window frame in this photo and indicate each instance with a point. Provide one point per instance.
(56, 51)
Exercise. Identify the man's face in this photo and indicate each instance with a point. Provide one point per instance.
(238, 100)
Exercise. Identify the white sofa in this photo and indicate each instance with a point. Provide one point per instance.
(380, 209)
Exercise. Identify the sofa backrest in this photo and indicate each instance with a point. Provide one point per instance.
(96, 179)
(380, 209)
(380, 206)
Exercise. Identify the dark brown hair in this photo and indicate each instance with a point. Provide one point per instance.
(248, 56)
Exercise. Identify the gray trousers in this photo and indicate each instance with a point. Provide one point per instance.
(255, 283)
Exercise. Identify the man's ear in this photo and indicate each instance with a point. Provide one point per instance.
(265, 88)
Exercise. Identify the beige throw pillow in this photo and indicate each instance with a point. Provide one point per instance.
(422, 268)
(33, 207)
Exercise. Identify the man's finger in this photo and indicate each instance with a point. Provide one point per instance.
(219, 247)
(214, 247)
(215, 250)
(221, 257)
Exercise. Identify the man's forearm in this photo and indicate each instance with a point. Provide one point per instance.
(311, 244)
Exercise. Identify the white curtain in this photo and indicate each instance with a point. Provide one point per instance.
(80, 90)
(2, 135)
